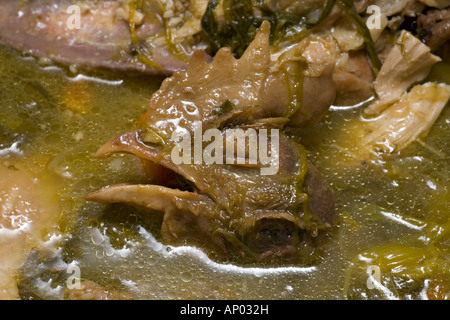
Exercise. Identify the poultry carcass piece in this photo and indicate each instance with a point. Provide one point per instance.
(139, 36)
(236, 207)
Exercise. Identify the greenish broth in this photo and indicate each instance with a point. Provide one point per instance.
(390, 212)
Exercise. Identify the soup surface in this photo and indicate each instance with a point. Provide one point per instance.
(391, 242)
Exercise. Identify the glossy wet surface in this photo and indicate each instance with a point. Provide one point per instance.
(394, 214)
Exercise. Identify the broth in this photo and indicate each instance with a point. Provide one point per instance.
(53, 120)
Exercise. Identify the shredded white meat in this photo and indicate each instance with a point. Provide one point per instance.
(401, 123)
(408, 63)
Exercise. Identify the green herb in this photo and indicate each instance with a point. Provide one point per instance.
(226, 107)
(238, 31)
(349, 8)
(241, 24)
(143, 55)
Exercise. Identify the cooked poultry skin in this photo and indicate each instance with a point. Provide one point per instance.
(266, 218)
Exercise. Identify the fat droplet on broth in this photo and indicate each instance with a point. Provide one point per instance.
(96, 237)
(152, 260)
(186, 276)
(190, 108)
